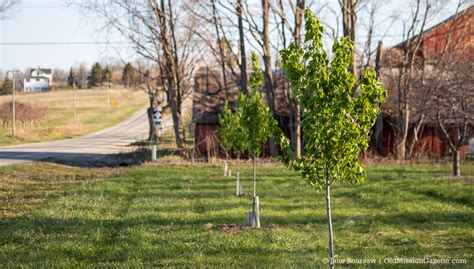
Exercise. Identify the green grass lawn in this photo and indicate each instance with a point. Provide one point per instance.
(183, 216)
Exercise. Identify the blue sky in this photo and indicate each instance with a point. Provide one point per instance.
(53, 21)
(49, 21)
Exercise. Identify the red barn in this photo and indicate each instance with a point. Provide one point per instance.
(449, 41)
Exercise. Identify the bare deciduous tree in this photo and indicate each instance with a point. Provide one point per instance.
(449, 85)
(6, 6)
(349, 20)
(406, 74)
(412, 67)
(159, 33)
(454, 111)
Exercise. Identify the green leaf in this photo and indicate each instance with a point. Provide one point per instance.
(335, 124)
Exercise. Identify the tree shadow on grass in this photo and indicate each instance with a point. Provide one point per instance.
(463, 201)
(82, 160)
(36, 239)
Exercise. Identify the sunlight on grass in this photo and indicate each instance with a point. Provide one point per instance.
(176, 216)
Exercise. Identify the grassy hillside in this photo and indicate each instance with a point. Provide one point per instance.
(189, 216)
(57, 122)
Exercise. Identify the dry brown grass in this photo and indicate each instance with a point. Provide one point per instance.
(92, 113)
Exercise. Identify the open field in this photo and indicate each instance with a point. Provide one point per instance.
(188, 215)
(92, 113)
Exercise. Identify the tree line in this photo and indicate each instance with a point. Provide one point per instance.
(179, 36)
(129, 76)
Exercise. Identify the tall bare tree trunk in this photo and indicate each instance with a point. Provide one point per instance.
(455, 147)
(405, 77)
(349, 18)
(267, 61)
(152, 134)
(243, 56)
(456, 163)
(379, 121)
(221, 49)
(329, 221)
(403, 123)
(402, 138)
(300, 5)
(170, 67)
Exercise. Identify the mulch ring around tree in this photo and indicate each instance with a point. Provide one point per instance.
(241, 228)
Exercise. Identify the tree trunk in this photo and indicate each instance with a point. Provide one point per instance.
(254, 161)
(152, 134)
(256, 203)
(300, 5)
(177, 126)
(417, 132)
(298, 143)
(238, 166)
(379, 121)
(329, 221)
(170, 66)
(456, 163)
(221, 49)
(243, 57)
(404, 121)
(349, 18)
(267, 60)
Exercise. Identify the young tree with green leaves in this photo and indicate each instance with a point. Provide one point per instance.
(336, 122)
(260, 124)
(233, 135)
(227, 121)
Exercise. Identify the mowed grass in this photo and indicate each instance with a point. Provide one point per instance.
(182, 215)
(92, 113)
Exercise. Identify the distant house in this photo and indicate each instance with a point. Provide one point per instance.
(39, 80)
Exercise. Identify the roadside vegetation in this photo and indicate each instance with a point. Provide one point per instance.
(56, 116)
(188, 215)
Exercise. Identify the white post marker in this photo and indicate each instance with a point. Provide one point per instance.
(237, 186)
(157, 122)
(153, 152)
(256, 215)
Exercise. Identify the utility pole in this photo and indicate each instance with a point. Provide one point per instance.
(74, 98)
(128, 80)
(13, 72)
(108, 96)
(107, 77)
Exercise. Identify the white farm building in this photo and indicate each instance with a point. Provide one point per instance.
(39, 80)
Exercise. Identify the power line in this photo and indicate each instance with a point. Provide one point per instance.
(63, 43)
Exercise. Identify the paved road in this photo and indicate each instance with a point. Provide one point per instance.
(108, 141)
